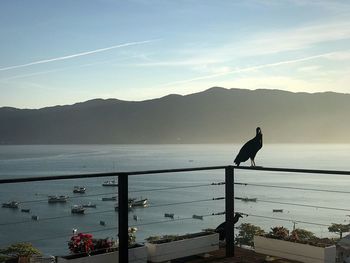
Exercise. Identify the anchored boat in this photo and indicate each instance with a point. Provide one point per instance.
(58, 199)
(11, 204)
(89, 205)
(79, 189)
(77, 209)
(110, 183)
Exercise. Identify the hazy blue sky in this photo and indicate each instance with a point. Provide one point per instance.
(62, 52)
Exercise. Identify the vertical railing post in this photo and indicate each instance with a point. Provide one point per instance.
(229, 210)
(123, 217)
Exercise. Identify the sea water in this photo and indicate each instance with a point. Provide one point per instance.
(167, 193)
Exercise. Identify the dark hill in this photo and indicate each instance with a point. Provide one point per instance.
(216, 115)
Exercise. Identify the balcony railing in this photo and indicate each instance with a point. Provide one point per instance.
(123, 179)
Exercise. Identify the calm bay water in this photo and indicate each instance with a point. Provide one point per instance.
(53, 229)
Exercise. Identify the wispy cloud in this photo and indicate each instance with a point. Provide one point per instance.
(269, 65)
(110, 61)
(298, 39)
(78, 54)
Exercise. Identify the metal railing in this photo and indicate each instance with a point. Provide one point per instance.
(123, 195)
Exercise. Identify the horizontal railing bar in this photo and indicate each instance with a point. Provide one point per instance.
(96, 175)
(291, 170)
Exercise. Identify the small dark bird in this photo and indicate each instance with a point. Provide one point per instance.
(221, 228)
(250, 149)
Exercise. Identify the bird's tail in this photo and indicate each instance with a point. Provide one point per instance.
(236, 162)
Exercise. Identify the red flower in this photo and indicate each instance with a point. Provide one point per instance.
(81, 243)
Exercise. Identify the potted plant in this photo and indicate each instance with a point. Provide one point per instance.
(168, 247)
(300, 245)
(86, 249)
(20, 251)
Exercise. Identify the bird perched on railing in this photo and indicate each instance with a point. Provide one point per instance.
(221, 228)
(250, 149)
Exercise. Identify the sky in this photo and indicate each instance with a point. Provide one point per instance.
(64, 52)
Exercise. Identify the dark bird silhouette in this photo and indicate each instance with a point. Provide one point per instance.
(250, 149)
(221, 228)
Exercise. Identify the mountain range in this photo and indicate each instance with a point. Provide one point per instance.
(216, 115)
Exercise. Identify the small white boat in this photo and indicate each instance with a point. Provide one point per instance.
(89, 205)
(77, 209)
(58, 199)
(79, 189)
(112, 198)
(11, 204)
(110, 183)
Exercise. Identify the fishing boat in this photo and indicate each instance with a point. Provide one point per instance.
(58, 199)
(11, 204)
(79, 189)
(89, 205)
(77, 209)
(110, 183)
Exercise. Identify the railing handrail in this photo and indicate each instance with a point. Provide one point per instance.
(292, 170)
(191, 169)
(96, 175)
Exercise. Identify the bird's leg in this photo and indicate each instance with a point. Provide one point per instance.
(253, 162)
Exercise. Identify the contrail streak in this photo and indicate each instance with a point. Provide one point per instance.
(77, 55)
(248, 69)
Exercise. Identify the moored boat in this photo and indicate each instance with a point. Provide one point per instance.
(277, 210)
(112, 198)
(116, 207)
(11, 204)
(79, 189)
(139, 203)
(89, 205)
(246, 199)
(58, 199)
(170, 215)
(25, 210)
(77, 209)
(110, 183)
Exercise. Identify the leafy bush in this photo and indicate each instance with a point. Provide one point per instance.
(278, 232)
(339, 228)
(299, 234)
(246, 234)
(19, 250)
